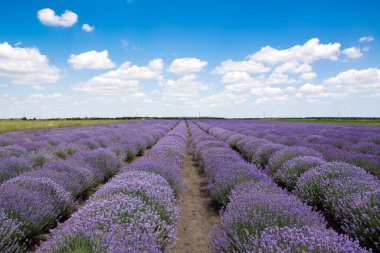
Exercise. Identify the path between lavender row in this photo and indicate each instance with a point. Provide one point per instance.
(197, 212)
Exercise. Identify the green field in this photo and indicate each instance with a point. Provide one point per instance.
(333, 121)
(19, 125)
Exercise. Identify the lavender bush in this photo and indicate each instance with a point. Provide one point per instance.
(73, 177)
(264, 152)
(12, 167)
(280, 157)
(300, 240)
(230, 175)
(292, 169)
(35, 202)
(153, 189)
(11, 235)
(326, 185)
(250, 213)
(121, 224)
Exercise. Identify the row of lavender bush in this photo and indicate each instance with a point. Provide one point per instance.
(345, 192)
(136, 211)
(354, 144)
(34, 200)
(259, 216)
(30, 150)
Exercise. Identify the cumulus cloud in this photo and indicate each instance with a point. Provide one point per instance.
(352, 52)
(26, 66)
(236, 77)
(309, 52)
(266, 91)
(244, 66)
(224, 99)
(311, 88)
(366, 39)
(37, 87)
(48, 17)
(87, 28)
(123, 83)
(308, 76)
(91, 60)
(183, 88)
(293, 67)
(272, 74)
(353, 80)
(185, 66)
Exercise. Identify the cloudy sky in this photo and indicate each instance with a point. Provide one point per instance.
(231, 58)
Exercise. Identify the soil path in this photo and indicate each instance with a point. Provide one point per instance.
(198, 213)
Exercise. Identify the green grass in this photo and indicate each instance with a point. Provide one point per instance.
(333, 121)
(20, 125)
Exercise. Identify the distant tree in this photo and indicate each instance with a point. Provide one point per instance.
(24, 118)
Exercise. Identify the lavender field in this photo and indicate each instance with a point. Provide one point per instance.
(229, 126)
(125, 187)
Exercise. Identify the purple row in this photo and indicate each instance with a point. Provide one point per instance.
(355, 144)
(346, 193)
(33, 201)
(259, 216)
(136, 211)
(30, 150)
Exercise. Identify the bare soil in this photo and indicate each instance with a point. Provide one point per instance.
(198, 211)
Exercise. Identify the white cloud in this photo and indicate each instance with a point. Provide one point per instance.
(266, 100)
(278, 78)
(277, 68)
(156, 65)
(311, 88)
(91, 60)
(87, 28)
(185, 66)
(293, 67)
(236, 77)
(243, 66)
(225, 99)
(26, 66)
(366, 39)
(266, 91)
(185, 87)
(308, 76)
(353, 52)
(353, 81)
(48, 17)
(122, 83)
(39, 98)
(302, 69)
(37, 87)
(309, 52)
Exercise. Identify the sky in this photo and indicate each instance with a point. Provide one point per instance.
(235, 58)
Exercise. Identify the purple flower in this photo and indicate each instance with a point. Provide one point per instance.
(11, 235)
(292, 169)
(34, 202)
(304, 239)
(120, 224)
(252, 211)
(73, 177)
(12, 167)
(280, 157)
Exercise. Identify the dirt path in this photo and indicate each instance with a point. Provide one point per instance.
(198, 214)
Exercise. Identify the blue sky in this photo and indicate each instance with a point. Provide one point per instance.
(185, 58)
